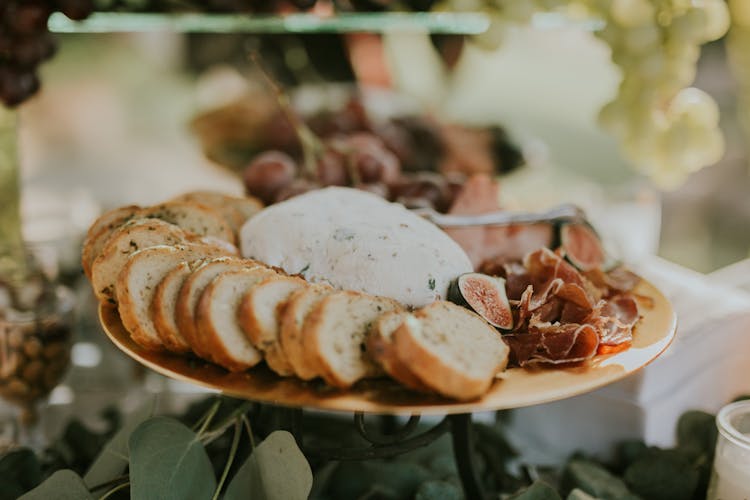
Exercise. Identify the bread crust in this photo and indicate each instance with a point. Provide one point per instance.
(314, 339)
(209, 221)
(188, 298)
(100, 230)
(433, 371)
(292, 335)
(164, 322)
(209, 332)
(236, 210)
(383, 352)
(127, 239)
(253, 327)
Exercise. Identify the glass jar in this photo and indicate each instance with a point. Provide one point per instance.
(730, 478)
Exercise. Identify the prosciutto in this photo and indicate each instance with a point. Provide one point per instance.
(561, 315)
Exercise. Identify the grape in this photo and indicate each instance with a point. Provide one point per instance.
(268, 174)
(76, 10)
(421, 188)
(331, 169)
(31, 51)
(632, 13)
(717, 19)
(28, 18)
(371, 160)
(17, 85)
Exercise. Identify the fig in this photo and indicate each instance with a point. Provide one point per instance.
(582, 246)
(485, 295)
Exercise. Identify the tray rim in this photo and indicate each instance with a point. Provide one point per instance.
(333, 400)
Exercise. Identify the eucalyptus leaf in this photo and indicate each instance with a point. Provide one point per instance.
(113, 459)
(20, 467)
(697, 433)
(276, 470)
(438, 490)
(537, 491)
(663, 474)
(168, 461)
(62, 485)
(577, 494)
(595, 480)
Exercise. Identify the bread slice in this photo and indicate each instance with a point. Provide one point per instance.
(132, 236)
(380, 347)
(164, 305)
(236, 210)
(451, 349)
(292, 319)
(101, 229)
(260, 320)
(222, 339)
(137, 283)
(190, 293)
(335, 336)
(193, 217)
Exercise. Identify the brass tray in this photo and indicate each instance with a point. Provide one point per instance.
(515, 388)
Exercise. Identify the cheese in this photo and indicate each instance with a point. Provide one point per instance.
(355, 240)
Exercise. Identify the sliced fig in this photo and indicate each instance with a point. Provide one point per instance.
(485, 295)
(582, 246)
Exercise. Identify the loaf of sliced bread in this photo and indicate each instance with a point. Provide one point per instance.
(101, 230)
(216, 319)
(452, 350)
(190, 293)
(260, 319)
(137, 283)
(164, 305)
(192, 217)
(335, 336)
(292, 319)
(380, 347)
(236, 210)
(129, 238)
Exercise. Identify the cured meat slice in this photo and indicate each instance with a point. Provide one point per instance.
(553, 344)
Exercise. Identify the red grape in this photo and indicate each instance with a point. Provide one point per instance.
(332, 169)
(297, 187)
(268, 174)
(371, 159)
(76, 10)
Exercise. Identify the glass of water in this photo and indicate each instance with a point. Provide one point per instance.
(730, 478)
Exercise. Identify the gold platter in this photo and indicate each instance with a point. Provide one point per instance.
(517, 387)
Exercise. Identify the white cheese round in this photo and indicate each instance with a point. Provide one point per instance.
(355, 240)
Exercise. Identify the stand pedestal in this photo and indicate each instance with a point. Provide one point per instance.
(392, 440)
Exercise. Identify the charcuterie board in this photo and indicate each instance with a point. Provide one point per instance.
(516, 387)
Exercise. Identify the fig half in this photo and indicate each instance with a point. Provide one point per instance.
(582, 246)
(485, 295)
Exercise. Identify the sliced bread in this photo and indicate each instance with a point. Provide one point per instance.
(260, 319)
(236, 210)
(335, 336)
(380, 347)
(451, 349)
(193, 217)
(190, 293)
(164, 305)
(101, 230)
(221, 338)
(129, 238)
(292, 320)
(137, 283)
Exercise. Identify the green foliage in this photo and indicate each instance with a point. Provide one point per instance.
(168, 461)
(276, 470)
(20, 471)
(537, 491)
(62, 485)
(663, 474)
(438, 490)
(595, 480)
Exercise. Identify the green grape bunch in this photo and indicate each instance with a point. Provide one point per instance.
(665, 127)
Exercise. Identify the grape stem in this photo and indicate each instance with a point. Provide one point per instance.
(312, 146)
